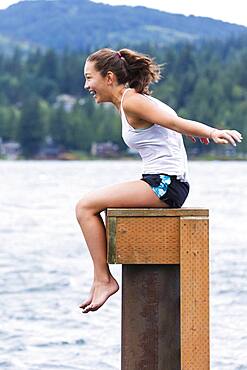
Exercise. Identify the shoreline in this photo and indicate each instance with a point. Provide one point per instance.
(126, 158)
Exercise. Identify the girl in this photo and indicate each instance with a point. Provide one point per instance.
(151, 127)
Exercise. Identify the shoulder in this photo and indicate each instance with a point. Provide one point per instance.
(140, 107)
(134, 102)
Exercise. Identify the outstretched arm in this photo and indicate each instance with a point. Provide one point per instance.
(138, 106)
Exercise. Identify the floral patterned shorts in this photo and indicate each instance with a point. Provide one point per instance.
(168, 188)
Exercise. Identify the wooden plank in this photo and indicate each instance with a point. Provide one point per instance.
(111, 239)
(194, 293)
(143, 240)
(154, 212)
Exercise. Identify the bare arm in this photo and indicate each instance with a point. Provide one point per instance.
(142, 108)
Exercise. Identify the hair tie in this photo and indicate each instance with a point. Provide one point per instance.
(120, 55)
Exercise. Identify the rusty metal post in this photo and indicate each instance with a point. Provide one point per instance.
(165, 288)
(150, 317)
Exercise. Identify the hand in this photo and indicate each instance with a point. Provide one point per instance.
(225, 136)
(203, 140)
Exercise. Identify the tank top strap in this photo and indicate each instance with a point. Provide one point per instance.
(121, 104)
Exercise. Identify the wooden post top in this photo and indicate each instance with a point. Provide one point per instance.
(148, 235)
(157, 212)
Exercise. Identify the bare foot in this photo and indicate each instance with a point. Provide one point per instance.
(89, 299)
(102, 291)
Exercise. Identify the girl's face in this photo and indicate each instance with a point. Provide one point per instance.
(97, 85)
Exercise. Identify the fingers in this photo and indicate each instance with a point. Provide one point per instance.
(227, 136)
(221, 141)
(236, 135)
(221, 137)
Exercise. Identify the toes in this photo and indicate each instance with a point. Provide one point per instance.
(91, 307)
(85, 304)
(95, 307)
(88, 300)
(87, 309)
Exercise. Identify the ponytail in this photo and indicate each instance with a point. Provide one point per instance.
(142, 70)
(130, 67)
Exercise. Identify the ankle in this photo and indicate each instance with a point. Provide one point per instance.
(102, 279)
(102, 274)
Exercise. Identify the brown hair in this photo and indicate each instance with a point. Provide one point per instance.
(129, 66)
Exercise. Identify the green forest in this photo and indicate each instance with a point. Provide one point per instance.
(205, 82)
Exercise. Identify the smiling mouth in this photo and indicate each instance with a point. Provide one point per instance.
(92, 93)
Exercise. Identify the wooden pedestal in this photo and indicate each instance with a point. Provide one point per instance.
(165, 299)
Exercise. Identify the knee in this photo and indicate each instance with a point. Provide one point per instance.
(83, 209)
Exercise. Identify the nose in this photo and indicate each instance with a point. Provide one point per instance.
(86, 85)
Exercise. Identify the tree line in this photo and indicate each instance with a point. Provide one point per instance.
(206, 82)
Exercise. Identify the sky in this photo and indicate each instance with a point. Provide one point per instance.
(230, 11)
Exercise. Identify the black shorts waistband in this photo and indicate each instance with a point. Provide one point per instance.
(173, 177)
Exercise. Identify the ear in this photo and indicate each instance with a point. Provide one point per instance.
(110, 78)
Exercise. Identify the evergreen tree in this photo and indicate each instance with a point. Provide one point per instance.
(206, 82)
(32, 127)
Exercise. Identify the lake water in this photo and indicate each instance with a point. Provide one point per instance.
(46, 271)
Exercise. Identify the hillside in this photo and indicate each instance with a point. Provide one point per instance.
(84, 25)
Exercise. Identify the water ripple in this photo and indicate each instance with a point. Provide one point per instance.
(46, 270)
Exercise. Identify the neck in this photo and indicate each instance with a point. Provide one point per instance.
(117, 96)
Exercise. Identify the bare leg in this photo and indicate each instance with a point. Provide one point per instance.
(94, 233)
(128, 194)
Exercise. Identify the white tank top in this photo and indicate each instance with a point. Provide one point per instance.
(161, 149)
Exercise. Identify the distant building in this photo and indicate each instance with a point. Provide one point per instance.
(49, 150)
(66, 101)
(10, 149)
(105, 150)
